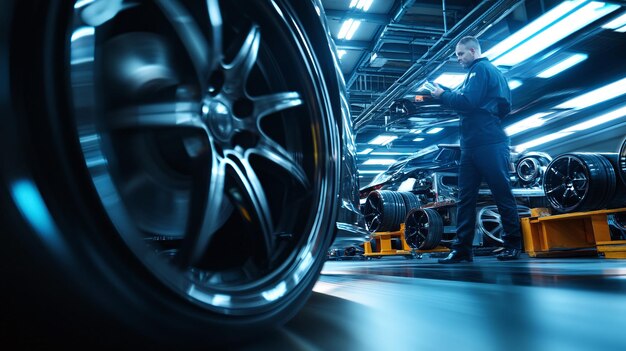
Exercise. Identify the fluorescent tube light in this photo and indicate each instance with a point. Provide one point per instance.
(365, 152)
(434, 130)
(559, 30)
(353, 27)
(450, 80)
(616, 23)
(361, 4)
(532, 28)
(415, 131)
(345, 27)
(621, 29)
(542, 140)
(390, 153)
(371, 171)
(514, 84)
(418, 139)
(533, 121)
(597, 96)
(380, 161)
(594, 122)
(383, 139)
(562, 66)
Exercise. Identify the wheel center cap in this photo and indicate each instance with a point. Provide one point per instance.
(219, 119)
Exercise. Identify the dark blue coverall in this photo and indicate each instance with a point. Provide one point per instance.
(482, 100)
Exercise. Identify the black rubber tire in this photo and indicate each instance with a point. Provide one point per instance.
(423, 228)
(580, 182)
(622, 162)
(411, 201)
(73, 277)
(384, 211)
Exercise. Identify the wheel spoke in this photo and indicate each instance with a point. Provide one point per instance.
(556, 172)
(207, 199)
(275, 153)
(250, 193)
(215, 16)
(238, 70)
(560, 187)
(492, 213)
(496, 229)
(420, 234)
(191, 37)
(569, 163)
(565, 194)
(265, 105)
(171, 114)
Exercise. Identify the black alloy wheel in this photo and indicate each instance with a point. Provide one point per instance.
(582, 182)
(191, 152)
(423, 228)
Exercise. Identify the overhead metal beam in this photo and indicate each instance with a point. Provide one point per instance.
(400, 10)
(427, 30)
(361, 16)
(474, 23)
(352, 44)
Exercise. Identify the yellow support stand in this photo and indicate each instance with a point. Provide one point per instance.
(384, 248)
(383, 244)
(572, 234)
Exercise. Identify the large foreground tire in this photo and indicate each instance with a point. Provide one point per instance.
(169, 168)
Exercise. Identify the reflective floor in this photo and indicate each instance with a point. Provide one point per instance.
(400, 304)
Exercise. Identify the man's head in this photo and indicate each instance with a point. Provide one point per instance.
(467, 50)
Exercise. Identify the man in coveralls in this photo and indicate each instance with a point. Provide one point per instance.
(482, 101)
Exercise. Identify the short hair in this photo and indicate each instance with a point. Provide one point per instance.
(470, 42)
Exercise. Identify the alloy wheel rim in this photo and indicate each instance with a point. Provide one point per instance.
(204, 148)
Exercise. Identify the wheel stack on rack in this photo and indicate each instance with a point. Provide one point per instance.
(385, 210)
(584, 181)
(622, 162)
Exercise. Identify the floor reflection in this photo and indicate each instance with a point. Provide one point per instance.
(398, 304)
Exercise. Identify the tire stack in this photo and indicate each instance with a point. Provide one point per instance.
(385, 210)
(622, 161)
(584, 181)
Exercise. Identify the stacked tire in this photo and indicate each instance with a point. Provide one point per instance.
(584, 181)
(385, 210)
(622, 161)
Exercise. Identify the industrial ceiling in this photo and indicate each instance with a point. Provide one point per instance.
(398, 45)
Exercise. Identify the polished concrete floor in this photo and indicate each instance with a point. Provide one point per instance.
(417, 304)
